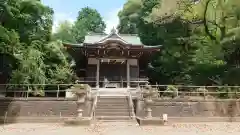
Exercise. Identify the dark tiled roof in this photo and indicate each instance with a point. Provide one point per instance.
(126, 38)
(130, 39)
(95, 38)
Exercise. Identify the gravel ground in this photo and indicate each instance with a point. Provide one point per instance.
(122, 128)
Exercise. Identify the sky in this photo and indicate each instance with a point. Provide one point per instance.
(68, 10)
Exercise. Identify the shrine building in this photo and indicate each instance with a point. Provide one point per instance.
(111, 61)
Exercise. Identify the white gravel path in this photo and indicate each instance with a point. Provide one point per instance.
(123, 129)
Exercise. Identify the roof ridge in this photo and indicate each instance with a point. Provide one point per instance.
(77, 44)
(104, 34)
(128, 34)
(92, 34)
(113, 32)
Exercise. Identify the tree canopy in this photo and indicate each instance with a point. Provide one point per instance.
(88, 20)
(200, 39)
(28, 54)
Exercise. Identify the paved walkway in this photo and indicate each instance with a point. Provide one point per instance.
(122, 128)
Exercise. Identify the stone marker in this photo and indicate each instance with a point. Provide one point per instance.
(165, 118)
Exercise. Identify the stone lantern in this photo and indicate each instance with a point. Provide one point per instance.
(80, 92)
(148, 93)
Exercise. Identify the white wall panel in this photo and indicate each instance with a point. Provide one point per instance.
(133, 62)
(92, 61)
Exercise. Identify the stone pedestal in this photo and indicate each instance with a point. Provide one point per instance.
(148, 108)
(148, 93)
(139, 106)
(88, 103)
(79, 110)
(148, 113)
(82, 93)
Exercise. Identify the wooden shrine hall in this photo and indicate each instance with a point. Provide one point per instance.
(111, 61)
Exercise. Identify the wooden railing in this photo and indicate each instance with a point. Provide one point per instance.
(122, 81)
(226, 92)
(93, 115)
(101, 79)
(40, 90)
(131, 105)
(24, 90)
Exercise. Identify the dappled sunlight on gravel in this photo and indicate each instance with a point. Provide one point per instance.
(120, 128)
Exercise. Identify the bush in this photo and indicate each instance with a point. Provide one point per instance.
(171, 91)
(223, 92)
(202, 91)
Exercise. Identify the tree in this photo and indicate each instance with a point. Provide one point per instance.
(128, 17)
(126, 26)
(58, 70)
(30, 18)
(31, 70)
(64, 33)
(22, 21)
(10, 47)
(195, 38)
(25, 35)
(88, 20)
(220, 22)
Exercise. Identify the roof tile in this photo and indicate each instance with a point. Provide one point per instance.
(130, 39)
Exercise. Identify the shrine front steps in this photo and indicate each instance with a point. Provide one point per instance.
(113, 108)
(113, 118)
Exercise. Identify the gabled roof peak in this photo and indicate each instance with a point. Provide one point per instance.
(113, 35)
(114, 31)
(94, 38)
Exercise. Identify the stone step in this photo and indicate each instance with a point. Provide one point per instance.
(115, 99)
(113, 94)
(113, 110)
(118, 122)
(113, 118)
(113, 106)
(113, 103)
(112, 113)
(109, 103)
(112, 97)
(110, 100)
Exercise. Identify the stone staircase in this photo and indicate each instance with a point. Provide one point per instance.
(114, 108)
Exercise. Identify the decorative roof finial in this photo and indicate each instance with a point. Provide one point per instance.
(114, 31)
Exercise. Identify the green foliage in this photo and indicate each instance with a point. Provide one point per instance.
(171, 91)
(88, 20)
(91, 19)
(202, 91)
(58, 68)
(224, 92)
(65, 33)
(200, 41)
(128, 16)
(9, 41)
(25, 39)
(31, 70)
(25, 34)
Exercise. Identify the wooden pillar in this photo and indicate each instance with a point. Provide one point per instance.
(128, 74)
(97, 74)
